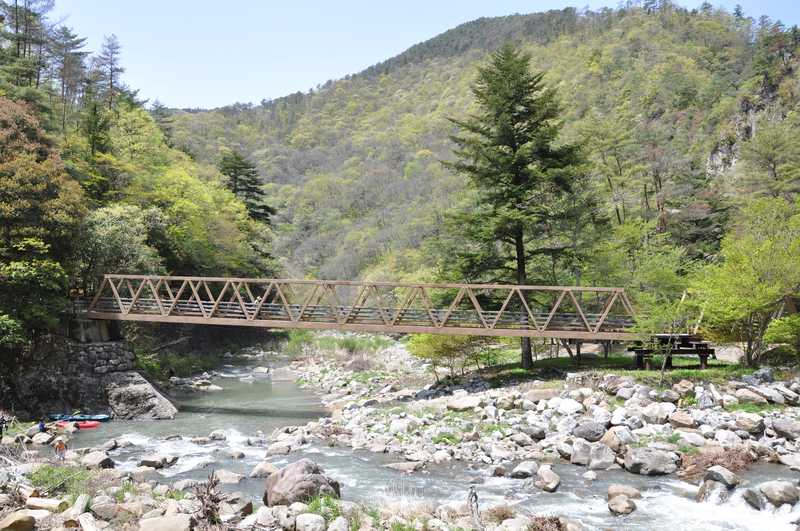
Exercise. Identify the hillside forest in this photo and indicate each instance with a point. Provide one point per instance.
(651, 147)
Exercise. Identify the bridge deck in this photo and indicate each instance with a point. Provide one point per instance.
(459, 309)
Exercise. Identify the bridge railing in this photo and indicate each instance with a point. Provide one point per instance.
(477, 309)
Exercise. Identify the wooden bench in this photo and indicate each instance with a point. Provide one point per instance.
(676, 345)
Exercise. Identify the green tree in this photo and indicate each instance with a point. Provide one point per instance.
(509, 150)
(114, 240)
(759, 266)
(108, 63)
(772, 157)
(244, 182)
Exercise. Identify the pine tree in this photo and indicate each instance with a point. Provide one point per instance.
(508, 151)
(244, 182)
(65, 49)
(163, 118)
(109, 64)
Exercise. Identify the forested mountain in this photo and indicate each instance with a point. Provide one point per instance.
(677, 111)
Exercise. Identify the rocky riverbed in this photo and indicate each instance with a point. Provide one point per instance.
(595, 451)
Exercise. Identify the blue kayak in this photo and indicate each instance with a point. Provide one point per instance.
(80, 418)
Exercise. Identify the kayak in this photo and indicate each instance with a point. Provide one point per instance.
(81, 418)
(82, 425)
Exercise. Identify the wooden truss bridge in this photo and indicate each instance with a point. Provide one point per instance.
(584, 313)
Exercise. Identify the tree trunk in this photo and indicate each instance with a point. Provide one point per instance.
(526, 356)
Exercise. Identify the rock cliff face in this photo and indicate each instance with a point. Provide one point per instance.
(91, 377)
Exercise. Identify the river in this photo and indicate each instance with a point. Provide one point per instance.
(248, 404)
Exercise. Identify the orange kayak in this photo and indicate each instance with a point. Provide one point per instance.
(82, 425)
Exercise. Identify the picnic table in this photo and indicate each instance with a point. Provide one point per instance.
(671, 345)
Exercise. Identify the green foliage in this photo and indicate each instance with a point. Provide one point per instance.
(325, 506)
(784, 330)
(11, 332)
(446, 438)
(162, 366)
(52, 479)
(754, 408)
(450, 352)
(115, 241)
(351, 344)
(243, 181)
(759, 266)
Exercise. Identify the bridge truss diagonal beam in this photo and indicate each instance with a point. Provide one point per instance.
(567, 312)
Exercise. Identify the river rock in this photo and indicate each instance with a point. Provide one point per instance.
(158, 461)
(658, 412)
(97, 459)
(546, 479)
(228, 477)
(299, 481)
(621, 505)
(217, 435)
(682, 419)
(780, 492)
(581, 451)
(727, 438)
(406, 466)
(175, 522)
(616, 490)
(591, 431)
(43, 438)
(87, 522)
(310, 522)
(339, 523)
(618, 437)
(536, 395)
(786, 427)
(464, 403)
(18, 521)
(525, 469)
(53, 505)
(722, 475)
(132, 397)
(754, 499)
(790, 460)
(747, 396)
(601, 457)
(712, 491)
(650, 461)
(263, 470)
(750, 422)
(568, 406)
(683, 388)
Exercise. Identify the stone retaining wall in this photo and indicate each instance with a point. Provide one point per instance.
(100, 358)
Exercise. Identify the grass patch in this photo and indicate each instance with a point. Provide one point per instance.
(299, 340)
(128, 487)
(52, 479)
(367, 377)
(755, 408)
(555, 368)
(163, 366)
(325, 506)
(688, 449)
(492, 427)
(397, 526)
(446, 438)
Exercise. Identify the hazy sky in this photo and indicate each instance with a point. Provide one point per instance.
(199, 53)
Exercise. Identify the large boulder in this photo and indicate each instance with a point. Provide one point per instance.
(18, 521)
(132, 397)
(175, 522)
(746, 396)
(310, 522)
(621, 505)
(750, 422)
(712, 491)
(464, 403)
(616, 489)
(536, 395)
(682, 419)
(786, 427)
(601, 457)
(299, 482)
(263, 470)
(722, 475)
(97, 459)
(658, 412)
(525, 469)
(546, 479)
(591, 431)
(780, 492)
(650, 461)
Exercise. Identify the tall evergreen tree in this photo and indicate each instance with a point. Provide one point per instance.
(65, 49)
(244, 182)
(508, 151)
(109, 64)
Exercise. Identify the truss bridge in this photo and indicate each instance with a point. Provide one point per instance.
(566, 312)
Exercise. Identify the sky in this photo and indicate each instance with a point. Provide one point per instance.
(199, 53)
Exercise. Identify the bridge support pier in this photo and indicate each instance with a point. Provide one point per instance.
(94, 330)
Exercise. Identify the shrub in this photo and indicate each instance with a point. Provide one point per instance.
(498, 513)
(736, 460)
(69, 480)
(325, 506)
(451, 352)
